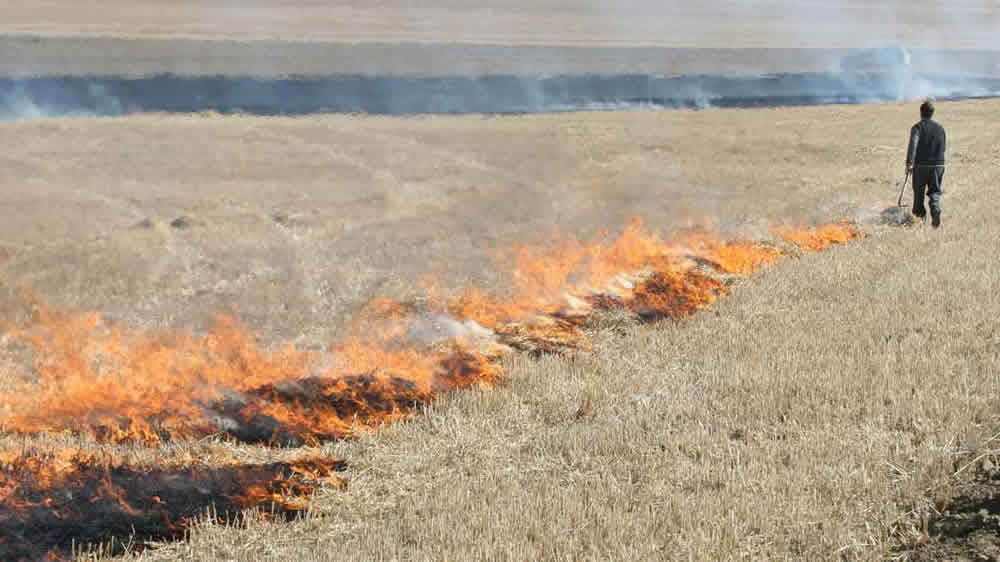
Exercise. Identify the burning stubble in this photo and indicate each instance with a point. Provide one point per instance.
(113, 386)
(117, 386)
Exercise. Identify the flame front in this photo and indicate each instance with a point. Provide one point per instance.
(819, 238)
(544, 274)
(114, 385)
(117, 386)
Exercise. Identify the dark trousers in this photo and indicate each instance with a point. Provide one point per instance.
(927, 181)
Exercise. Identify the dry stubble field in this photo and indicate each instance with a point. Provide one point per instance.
(828, 409)
(822, 411)
(771, 23)
(447, 37)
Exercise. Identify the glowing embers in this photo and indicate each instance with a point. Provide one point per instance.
(674, 295)
(48, 503)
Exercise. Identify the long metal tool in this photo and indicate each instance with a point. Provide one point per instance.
(902, 189)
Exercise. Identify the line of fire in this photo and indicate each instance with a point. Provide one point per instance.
(107, 386)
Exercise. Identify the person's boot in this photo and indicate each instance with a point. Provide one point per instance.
(935, 220)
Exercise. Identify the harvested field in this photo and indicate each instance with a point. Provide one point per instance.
(293, 37)
(205, 220)
(825, 409)
(554, 22)
(22, 55)
(662, 346)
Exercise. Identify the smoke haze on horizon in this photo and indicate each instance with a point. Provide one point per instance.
(523, 86)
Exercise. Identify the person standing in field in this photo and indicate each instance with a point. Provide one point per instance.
(925, 159)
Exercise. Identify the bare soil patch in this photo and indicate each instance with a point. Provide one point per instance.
(967, 526)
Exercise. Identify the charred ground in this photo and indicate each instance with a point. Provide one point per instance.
(963, 527)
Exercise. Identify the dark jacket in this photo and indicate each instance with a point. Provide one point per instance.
(927, 144)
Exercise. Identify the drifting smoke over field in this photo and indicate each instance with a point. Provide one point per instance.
(461, 58)
(22, 98)
(114, 386)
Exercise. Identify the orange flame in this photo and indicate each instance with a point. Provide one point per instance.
(148, 387)
(116, 385)
(819, 238)
(544, 273)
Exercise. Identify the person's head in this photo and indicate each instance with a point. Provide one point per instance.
(927, 109)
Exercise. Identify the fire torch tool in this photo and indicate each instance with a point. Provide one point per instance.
(902, 189)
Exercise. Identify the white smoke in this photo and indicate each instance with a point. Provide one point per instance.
(534, 80)
(429, 329)
(17, 106)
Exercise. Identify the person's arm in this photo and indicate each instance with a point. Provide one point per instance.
(911, 151)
